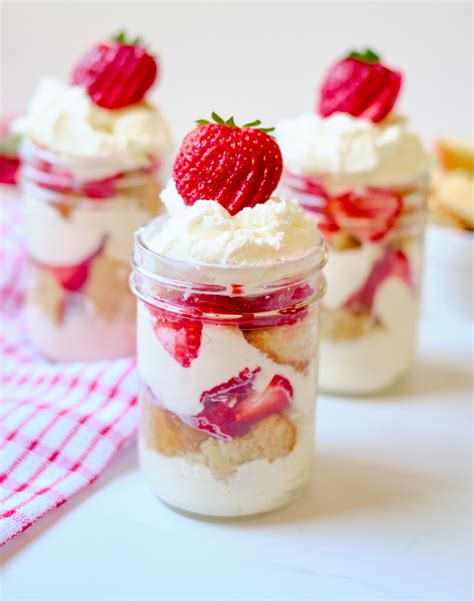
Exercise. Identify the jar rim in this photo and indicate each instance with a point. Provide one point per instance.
(255, 295)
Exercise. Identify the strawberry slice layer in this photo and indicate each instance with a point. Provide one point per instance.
(232, 407)
(287, 305)
(234, 390)
(180, 336)
(393, 264)
(73, 277)
(367, 217)
(275, 398)
(9, 167)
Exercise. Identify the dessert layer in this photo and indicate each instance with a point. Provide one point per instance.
(364, 353)
(205, 233)
(223, 353)
(353, 149)
(66, 234)
(164, 432)
(256, 485)
(82, 335)
(93, 142)
(105, 289)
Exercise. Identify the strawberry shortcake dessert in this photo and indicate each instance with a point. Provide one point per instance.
(91, 151)
(355, 165)
(228, 286)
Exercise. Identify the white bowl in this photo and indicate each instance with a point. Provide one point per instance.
(448, 276)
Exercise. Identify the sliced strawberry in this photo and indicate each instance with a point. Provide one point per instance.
(394, 263)
(287, 304)
(218, 419)
(369, 217)
(73, 277)
(218, 415)
(275, 398)
(234, 390)
(180, 336)
(9, 153)
(232, 407)
(52, 177)
(8, 169)
(104, 188)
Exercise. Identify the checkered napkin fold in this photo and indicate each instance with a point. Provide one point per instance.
(61, 424)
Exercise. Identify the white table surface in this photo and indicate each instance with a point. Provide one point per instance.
(387, 515)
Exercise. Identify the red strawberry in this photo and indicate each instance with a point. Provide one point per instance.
(73, 277)
(117, 73)
(393, 264)
(234, 390)
(218, 419)
(361, 86)
(9, 146)
(275, 398)
(180, 336)
(98, 189)
(218, 415)
(236, 166)
(231, 407)
(8, 169)
(368, 217)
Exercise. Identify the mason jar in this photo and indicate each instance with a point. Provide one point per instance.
(228, 363)
(369, 316)
(79, 231)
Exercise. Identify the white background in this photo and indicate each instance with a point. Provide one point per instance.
(253, 59)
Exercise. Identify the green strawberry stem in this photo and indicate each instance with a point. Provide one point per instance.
(365, 56)
(121, 38)
(231, 123)
(10, 145)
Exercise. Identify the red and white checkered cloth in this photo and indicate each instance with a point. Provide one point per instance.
(61, 424)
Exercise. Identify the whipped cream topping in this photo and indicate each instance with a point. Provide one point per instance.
(63, 119)
(357, 150)
(205, 233)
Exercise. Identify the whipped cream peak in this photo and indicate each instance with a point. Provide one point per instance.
(354, 149)
(205, 233)
(63, 119)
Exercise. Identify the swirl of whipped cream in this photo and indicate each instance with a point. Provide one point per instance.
(355, 150)
(90, 141)
(205, 233)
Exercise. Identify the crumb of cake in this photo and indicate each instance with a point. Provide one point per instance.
(343, 241)
(269, 439)
(339, 325)
(45, 292)
(293, 344)
(165, 432)
(107, 286)
(63, 208)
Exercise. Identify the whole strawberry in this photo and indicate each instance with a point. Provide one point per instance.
(361, 86)
(236, 166)
(117, 73)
